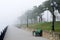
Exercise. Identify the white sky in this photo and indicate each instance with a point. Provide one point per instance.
(11, 9)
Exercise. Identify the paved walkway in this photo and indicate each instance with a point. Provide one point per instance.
(13, 33)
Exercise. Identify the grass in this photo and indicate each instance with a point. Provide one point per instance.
(46, 26)
(43, 26)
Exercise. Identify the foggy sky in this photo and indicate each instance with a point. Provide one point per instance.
(11, 9)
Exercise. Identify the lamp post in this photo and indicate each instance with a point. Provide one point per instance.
(53, 5)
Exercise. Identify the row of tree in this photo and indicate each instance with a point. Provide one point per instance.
(37, 11)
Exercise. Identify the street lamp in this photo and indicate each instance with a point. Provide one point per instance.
(53, 5)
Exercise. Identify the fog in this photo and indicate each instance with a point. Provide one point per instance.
(10, 10)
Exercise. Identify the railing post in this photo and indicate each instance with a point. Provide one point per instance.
(3, 33)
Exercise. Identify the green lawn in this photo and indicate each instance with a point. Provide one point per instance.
(46, 26)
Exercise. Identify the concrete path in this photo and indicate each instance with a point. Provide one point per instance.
(13, 33)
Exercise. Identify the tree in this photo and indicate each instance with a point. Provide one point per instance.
(40, 10)
(31, 15)
(47, 4)
(58, 5)
(52, 8)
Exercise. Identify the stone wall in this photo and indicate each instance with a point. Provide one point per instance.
(51, 35)
(47, 34)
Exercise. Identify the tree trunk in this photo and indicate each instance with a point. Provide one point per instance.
(53, 19)
(40, 18)
(31, 21)
(27, 21)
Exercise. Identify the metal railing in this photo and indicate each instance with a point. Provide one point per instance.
(3, 33)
